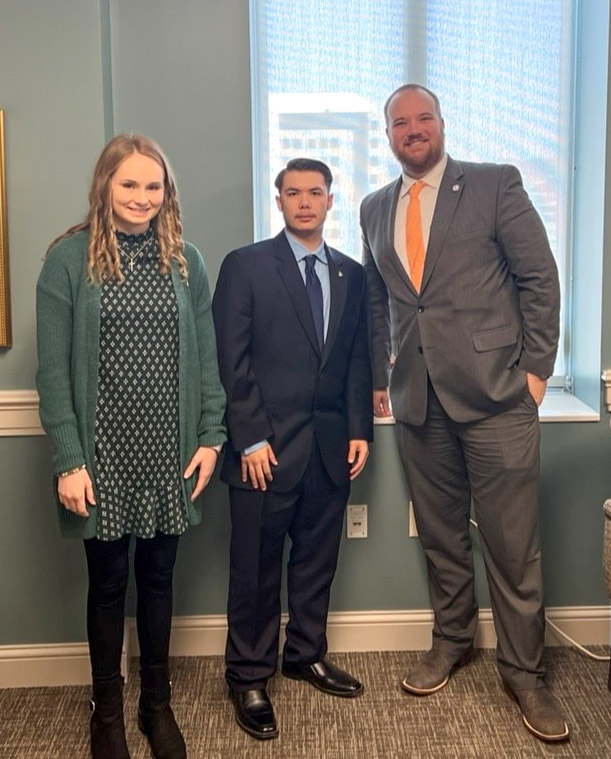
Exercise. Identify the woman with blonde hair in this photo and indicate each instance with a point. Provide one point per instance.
(131, 401)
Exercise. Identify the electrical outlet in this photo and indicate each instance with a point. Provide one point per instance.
(356, 521)
(412, 530)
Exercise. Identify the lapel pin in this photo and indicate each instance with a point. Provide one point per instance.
(456, 188)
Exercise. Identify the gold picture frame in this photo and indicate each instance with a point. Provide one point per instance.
(5, 304)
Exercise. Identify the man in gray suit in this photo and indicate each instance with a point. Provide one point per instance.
(464, 301)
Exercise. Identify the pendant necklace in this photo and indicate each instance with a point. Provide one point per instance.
(133, 255)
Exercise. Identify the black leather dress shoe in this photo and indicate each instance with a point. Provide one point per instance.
(254, 713)
(326, 677)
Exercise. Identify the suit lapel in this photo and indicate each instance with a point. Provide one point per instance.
(391, 213)
(450, 190)
(338, 282)
(288, 269)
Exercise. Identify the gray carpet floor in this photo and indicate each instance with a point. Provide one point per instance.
(471, 718)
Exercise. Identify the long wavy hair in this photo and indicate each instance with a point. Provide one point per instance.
(103, 259)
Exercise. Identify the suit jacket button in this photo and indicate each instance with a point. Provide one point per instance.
(420, 309)
(419, 349)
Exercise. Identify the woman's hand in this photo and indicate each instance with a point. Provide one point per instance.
(74, 491)
(205, 458)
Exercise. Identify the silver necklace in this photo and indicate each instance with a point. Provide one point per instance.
(132, 256)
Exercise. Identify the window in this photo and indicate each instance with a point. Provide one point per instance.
(503, 70)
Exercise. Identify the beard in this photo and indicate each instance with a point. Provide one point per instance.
(422, 163)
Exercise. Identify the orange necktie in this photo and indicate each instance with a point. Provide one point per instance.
(414, 241)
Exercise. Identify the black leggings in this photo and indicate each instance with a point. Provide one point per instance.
(108, 566)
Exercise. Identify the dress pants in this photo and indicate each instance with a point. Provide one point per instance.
(312, 515)
(108, 567)
(494, 462)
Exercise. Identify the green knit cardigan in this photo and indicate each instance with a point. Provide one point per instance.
(68, 332)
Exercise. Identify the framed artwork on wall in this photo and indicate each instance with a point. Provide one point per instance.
(5, 305)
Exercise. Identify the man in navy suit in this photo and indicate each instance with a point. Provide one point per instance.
(291, 325)
(464, 307)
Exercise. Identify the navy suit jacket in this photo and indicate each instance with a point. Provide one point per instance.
(279, 384)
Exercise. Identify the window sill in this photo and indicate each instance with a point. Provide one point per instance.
(557, 406)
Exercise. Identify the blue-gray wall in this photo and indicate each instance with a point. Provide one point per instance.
(71, 72)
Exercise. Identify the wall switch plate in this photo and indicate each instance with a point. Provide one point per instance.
(412, 530)
(356, 521)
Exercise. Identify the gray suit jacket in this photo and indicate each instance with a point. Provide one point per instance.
(488, 307)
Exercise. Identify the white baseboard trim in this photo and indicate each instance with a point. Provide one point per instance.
(36, 665)
(68, 664)
(47, 665)
(19, 413)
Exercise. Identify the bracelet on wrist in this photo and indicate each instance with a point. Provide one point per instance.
(76, 469)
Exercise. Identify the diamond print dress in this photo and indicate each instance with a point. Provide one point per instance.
(137, 460)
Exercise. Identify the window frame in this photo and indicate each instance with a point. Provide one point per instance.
(581, 16)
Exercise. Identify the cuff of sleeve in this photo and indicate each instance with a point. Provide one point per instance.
(542, 368)
(381, 379)
(67, 450)
(254, 447)
(212, 440)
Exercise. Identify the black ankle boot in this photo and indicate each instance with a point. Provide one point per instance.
(155, 716)
(106, 725)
